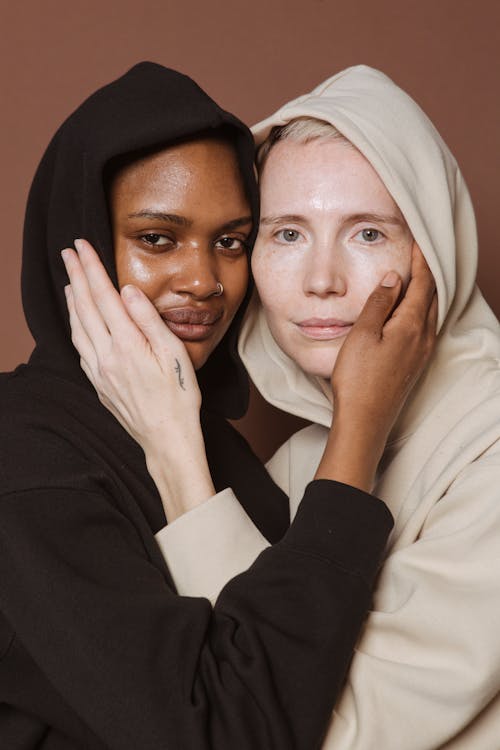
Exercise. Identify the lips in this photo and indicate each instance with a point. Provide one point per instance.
(324, 329)
(192, 324)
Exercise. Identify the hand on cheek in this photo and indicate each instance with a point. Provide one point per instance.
(387, 349)
(379, 363)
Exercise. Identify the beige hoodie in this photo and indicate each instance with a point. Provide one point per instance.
(426, 673)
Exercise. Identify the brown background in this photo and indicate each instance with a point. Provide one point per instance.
(250, 58)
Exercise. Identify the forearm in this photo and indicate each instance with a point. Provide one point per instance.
(173, 670)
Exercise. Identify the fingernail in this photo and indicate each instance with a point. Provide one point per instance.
(390, 279)
(64, 254)
(80, 245)
(130, 292)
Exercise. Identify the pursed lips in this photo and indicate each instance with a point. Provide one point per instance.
(192, 323)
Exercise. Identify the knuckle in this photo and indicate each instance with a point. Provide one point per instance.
(414, 327)
(99, 292)
(120, 349)
(102, 397)
(430, 345)
(106, 366)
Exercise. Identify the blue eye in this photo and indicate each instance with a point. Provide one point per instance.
(289, 235)
(370, 234)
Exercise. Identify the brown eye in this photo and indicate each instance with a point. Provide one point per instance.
(155, 239)
(233, 244)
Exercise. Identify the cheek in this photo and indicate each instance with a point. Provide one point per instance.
(132, 269)
(234, 278)
(367, 271)
(273, 278)
(397, 257)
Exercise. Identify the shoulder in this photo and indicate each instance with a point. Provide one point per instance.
(472, 501)
(52, 433)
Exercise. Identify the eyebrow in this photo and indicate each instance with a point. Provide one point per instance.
(373, 216)
(236, 223)
(182, 221)
(161, 216)
(346, 218)
(292, 218)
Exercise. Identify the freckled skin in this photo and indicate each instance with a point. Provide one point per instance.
(179, 263)
(327, 260)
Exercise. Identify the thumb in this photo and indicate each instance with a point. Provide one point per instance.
(147, 319)
(380, 304)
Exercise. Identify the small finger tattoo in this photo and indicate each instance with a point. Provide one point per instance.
(178, 370)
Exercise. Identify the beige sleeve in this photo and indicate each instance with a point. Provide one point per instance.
(214, 542)
(209, 545)
(426, 673)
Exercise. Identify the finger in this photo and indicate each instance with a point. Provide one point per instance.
(105, 296)
(88, 358)
(432, 317)
(380, 304)
(80, 340)
(147, 319)
(420, 291)
(86, 309)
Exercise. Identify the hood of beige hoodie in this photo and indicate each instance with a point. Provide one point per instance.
(453, 414)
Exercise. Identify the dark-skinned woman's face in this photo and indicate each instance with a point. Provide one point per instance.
(180, 223)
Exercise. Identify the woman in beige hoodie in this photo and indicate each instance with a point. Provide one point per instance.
(426, 673)
(427, 669)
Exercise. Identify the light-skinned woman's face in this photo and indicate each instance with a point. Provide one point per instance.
(329, 233)
(180, 222)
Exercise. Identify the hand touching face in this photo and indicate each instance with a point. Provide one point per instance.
(180, 223)
(329, 233)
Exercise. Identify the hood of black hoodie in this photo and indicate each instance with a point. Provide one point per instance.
(148, 106)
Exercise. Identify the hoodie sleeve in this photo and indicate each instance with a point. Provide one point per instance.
(427, 666)
(225, 532)
(206, 547)
(209, 545)
(145, 668)
(426, 673)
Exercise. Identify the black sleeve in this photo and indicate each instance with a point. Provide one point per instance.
(146, 669)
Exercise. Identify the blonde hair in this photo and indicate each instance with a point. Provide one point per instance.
(301, 130)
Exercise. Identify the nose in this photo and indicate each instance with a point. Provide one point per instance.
(197, 276)
(325, 271)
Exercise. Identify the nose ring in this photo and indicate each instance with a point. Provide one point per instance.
(220, 289)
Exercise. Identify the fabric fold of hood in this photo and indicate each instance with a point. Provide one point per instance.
(459, 394)
(147, 107)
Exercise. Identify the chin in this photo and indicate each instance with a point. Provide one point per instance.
(198, 353)
(318, 359)
(317, 364)
(325, 373)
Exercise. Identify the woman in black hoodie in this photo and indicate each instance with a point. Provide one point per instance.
(96, 648)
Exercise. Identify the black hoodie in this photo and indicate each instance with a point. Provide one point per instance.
(96, 648)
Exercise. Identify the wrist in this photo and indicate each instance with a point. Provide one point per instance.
(351, 456)
(182, 477)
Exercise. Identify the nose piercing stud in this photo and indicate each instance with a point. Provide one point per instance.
(220, 289)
